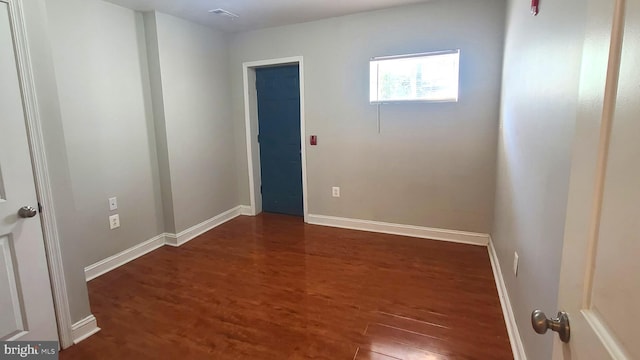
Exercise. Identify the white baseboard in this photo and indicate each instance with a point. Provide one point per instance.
(170, 239)
(104, 266)
(246, 210)
(509, 318)
(84, 328)
(184, 236)
(463, 237)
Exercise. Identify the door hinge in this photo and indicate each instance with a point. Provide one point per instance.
(40, 208)
(258, 138)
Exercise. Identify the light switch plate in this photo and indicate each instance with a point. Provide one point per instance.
(114, 221)
(516, 258)
(113, 203)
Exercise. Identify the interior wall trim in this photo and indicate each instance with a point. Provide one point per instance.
(112, 262)
(41, 174)
(253, 162)
(517, 346)
(84, 328)
(191, 233)
(463, 237)
(104, 266)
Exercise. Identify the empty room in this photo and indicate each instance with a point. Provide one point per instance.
(313, 179)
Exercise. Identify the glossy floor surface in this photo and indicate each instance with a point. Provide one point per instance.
(272, 287)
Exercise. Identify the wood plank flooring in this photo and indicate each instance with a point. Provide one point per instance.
(272, 287)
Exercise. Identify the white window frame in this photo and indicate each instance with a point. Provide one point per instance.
(373, 80)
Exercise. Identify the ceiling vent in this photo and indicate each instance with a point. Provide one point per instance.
(223, 12)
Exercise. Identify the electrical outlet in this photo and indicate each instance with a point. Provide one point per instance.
(113, 203)
(114, 221)
(515, 263)
(335, 191)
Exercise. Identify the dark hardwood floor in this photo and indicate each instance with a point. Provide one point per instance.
(271, 287)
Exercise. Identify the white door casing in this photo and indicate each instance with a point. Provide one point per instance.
(251, 130)
(26, 297)
(600, 274)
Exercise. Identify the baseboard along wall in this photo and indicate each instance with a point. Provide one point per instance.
(84, 328)
(456, 236)
(112, 262)
(517, 346)
(104, 266)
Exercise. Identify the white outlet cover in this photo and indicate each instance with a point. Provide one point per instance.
(114, 221)
(335, 191)
(516, 258)
(113, 203)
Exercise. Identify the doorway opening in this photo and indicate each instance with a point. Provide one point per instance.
(275, 134)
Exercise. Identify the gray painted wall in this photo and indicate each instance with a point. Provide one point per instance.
(196, 115)
(539, 102)
(157, 101)
(47, 93)
(99, 133)
(432, 164)
(104, 101)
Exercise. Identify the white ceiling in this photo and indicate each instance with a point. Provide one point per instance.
(256, 14)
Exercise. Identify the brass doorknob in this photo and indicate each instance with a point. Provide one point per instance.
(27, 212)
(559, 324)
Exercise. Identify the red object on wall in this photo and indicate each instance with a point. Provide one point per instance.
(535, 7)
(314, 140)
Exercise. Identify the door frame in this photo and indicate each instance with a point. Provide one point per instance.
(251, 130)
(41, 173)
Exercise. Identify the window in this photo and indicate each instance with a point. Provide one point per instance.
(417, 77)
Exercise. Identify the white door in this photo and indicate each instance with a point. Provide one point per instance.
(600, 276)
(25, 292)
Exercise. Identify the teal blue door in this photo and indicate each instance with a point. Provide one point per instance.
(279, 137)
